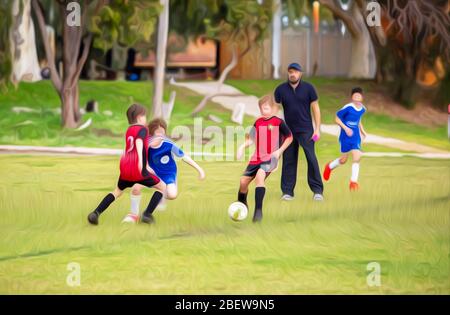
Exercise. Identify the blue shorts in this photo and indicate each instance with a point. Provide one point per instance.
(348, 146)
(168, 178)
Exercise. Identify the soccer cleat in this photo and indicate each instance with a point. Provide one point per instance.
(131, 218)
(287, 197)
(257, 216)
(354, 186)
(93, 218)
(147, 219)
(327, 172)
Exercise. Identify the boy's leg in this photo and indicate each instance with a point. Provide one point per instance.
(356, 156)
(135, 198)
(334, 164)
(135, 201)
(103, 205)
(171, 191)
(260, 191)
(147, 216)
(243, 189)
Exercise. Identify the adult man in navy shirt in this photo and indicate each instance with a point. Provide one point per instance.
(299, 99)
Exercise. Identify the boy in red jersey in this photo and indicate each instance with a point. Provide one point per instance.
(267, 134)
(134, 168)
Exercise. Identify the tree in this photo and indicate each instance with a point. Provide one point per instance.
(244, 23)
(161, 52)
(84, 23)
(354, 20)
(25, 65)
(412, 42)
(5, 55)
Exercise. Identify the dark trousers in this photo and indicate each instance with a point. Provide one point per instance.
(290, 161)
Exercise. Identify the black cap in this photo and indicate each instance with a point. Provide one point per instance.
(295, 66)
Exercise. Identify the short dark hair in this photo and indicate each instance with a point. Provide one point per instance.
(357, 90)
(155, 124)
(134, 111)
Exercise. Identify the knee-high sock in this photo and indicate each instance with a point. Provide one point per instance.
(242, 197)
(335, 164)
(259, 197)
(355, 172)
(154, 201)
(135, 202)
(104, 204)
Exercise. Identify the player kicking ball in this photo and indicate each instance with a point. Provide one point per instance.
(161, 153)
(267, 134)
(349, 119)
(134, 168)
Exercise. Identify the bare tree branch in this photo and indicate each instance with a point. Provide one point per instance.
(344, 16)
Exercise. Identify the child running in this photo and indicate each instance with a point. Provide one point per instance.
(134, 168)
(267, 134)
(161, 153)
(349, 119)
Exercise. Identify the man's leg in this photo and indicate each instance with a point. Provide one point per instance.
(289, 169)
(314, 176)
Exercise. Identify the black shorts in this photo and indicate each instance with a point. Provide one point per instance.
(148, 182)
(252, 169)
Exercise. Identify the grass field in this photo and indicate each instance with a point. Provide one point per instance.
(43, 127)
(400, 219)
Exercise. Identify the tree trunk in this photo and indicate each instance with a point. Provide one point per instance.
(161, 52)
(25, 65)
(276, 39)
(223, 76)
(362, 49)
(69, 107)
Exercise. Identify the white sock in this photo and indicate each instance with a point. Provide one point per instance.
(135, 202)
(355, 172)
(335, 164)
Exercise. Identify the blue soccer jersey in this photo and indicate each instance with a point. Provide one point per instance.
(350, 115)
(162, 161)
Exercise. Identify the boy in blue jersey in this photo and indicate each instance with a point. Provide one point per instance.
(161, 158)
(349, 119)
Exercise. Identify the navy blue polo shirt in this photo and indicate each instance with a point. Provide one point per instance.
(297, 105)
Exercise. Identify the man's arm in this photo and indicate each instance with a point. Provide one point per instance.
(317, 118)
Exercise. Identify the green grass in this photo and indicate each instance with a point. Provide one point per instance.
(399, 219)
(333, 94)
(43, 127)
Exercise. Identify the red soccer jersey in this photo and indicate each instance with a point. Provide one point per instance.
(268, 134)
(129, 169)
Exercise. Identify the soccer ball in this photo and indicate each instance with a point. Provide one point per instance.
(237, 211)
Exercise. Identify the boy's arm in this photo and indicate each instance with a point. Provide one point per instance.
(361, 128)
(346, 129)
(139, 147)
(187, 159)
(286, 132)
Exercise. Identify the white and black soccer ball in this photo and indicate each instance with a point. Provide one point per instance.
(237, 211)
